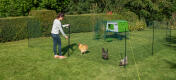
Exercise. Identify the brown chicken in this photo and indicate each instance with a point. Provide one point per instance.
(104, 54)
(83, 48)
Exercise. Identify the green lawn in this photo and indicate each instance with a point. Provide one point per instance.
(20, 62)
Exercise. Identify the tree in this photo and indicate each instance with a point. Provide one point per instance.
(22, 7)
(14, 7)
(58, 5)
(152, 9)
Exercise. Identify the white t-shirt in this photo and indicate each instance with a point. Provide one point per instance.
(57, 27)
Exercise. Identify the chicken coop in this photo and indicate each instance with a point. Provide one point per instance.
(111, 29)
(117, 26)
(115, 29)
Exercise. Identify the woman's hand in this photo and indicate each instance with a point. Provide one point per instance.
(66, 37)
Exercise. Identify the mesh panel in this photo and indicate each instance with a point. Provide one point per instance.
(34, 32)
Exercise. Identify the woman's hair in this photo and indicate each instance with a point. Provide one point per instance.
(60, 15)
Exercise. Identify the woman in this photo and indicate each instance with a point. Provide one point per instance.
(56, 29)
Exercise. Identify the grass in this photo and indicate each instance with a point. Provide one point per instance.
(20, 62)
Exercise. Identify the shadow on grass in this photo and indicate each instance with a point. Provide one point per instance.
(171, 41)
(66, 48)
(119, 36)
(87, 52)
(172, 64)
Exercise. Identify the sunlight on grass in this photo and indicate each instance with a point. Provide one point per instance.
(20, 62)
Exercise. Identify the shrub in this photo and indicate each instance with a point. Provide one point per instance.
(137, 26)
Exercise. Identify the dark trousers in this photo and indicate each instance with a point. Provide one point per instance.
(56, 41)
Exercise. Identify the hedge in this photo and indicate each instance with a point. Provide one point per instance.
(79, 23)
(83, 23)
(86, 23)
(45, 18)
(13, 28)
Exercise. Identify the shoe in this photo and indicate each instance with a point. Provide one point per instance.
(56, 56)
(62, 57)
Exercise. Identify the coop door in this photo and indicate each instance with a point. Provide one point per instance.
(112, 27)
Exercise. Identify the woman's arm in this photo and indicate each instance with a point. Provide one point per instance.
(66, 25)
(61, 30)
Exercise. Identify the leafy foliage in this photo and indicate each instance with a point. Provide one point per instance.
(95, 6)
(148, 9)
(23, 7)
(58, 5)
(152, 9)
(14, 7)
